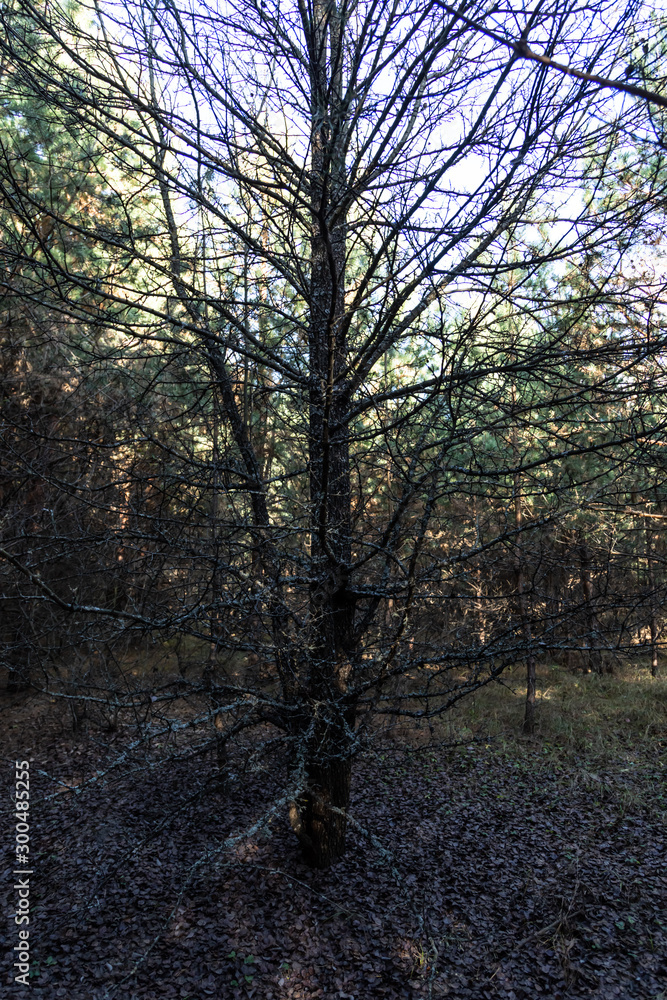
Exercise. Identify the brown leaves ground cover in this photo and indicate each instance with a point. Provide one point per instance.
(499, 868)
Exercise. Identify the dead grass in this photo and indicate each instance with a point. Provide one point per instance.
(584, 711)
(606, 735)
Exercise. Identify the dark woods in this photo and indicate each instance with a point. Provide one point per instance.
(332, 367)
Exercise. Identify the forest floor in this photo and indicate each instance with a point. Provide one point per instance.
(502, 867)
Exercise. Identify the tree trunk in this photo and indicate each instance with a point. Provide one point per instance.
(327, 727)
(653, 621)
(529, 714)
(594, 660)
(319, 818)
(531, 683)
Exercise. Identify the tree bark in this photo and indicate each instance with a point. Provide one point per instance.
(529, 713)
(653, 620)
(531, 685)
(320, 819)
(594, 659)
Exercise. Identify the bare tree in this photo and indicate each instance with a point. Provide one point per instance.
(316, 210)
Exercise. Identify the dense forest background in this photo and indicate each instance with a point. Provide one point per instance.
(333, 405)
